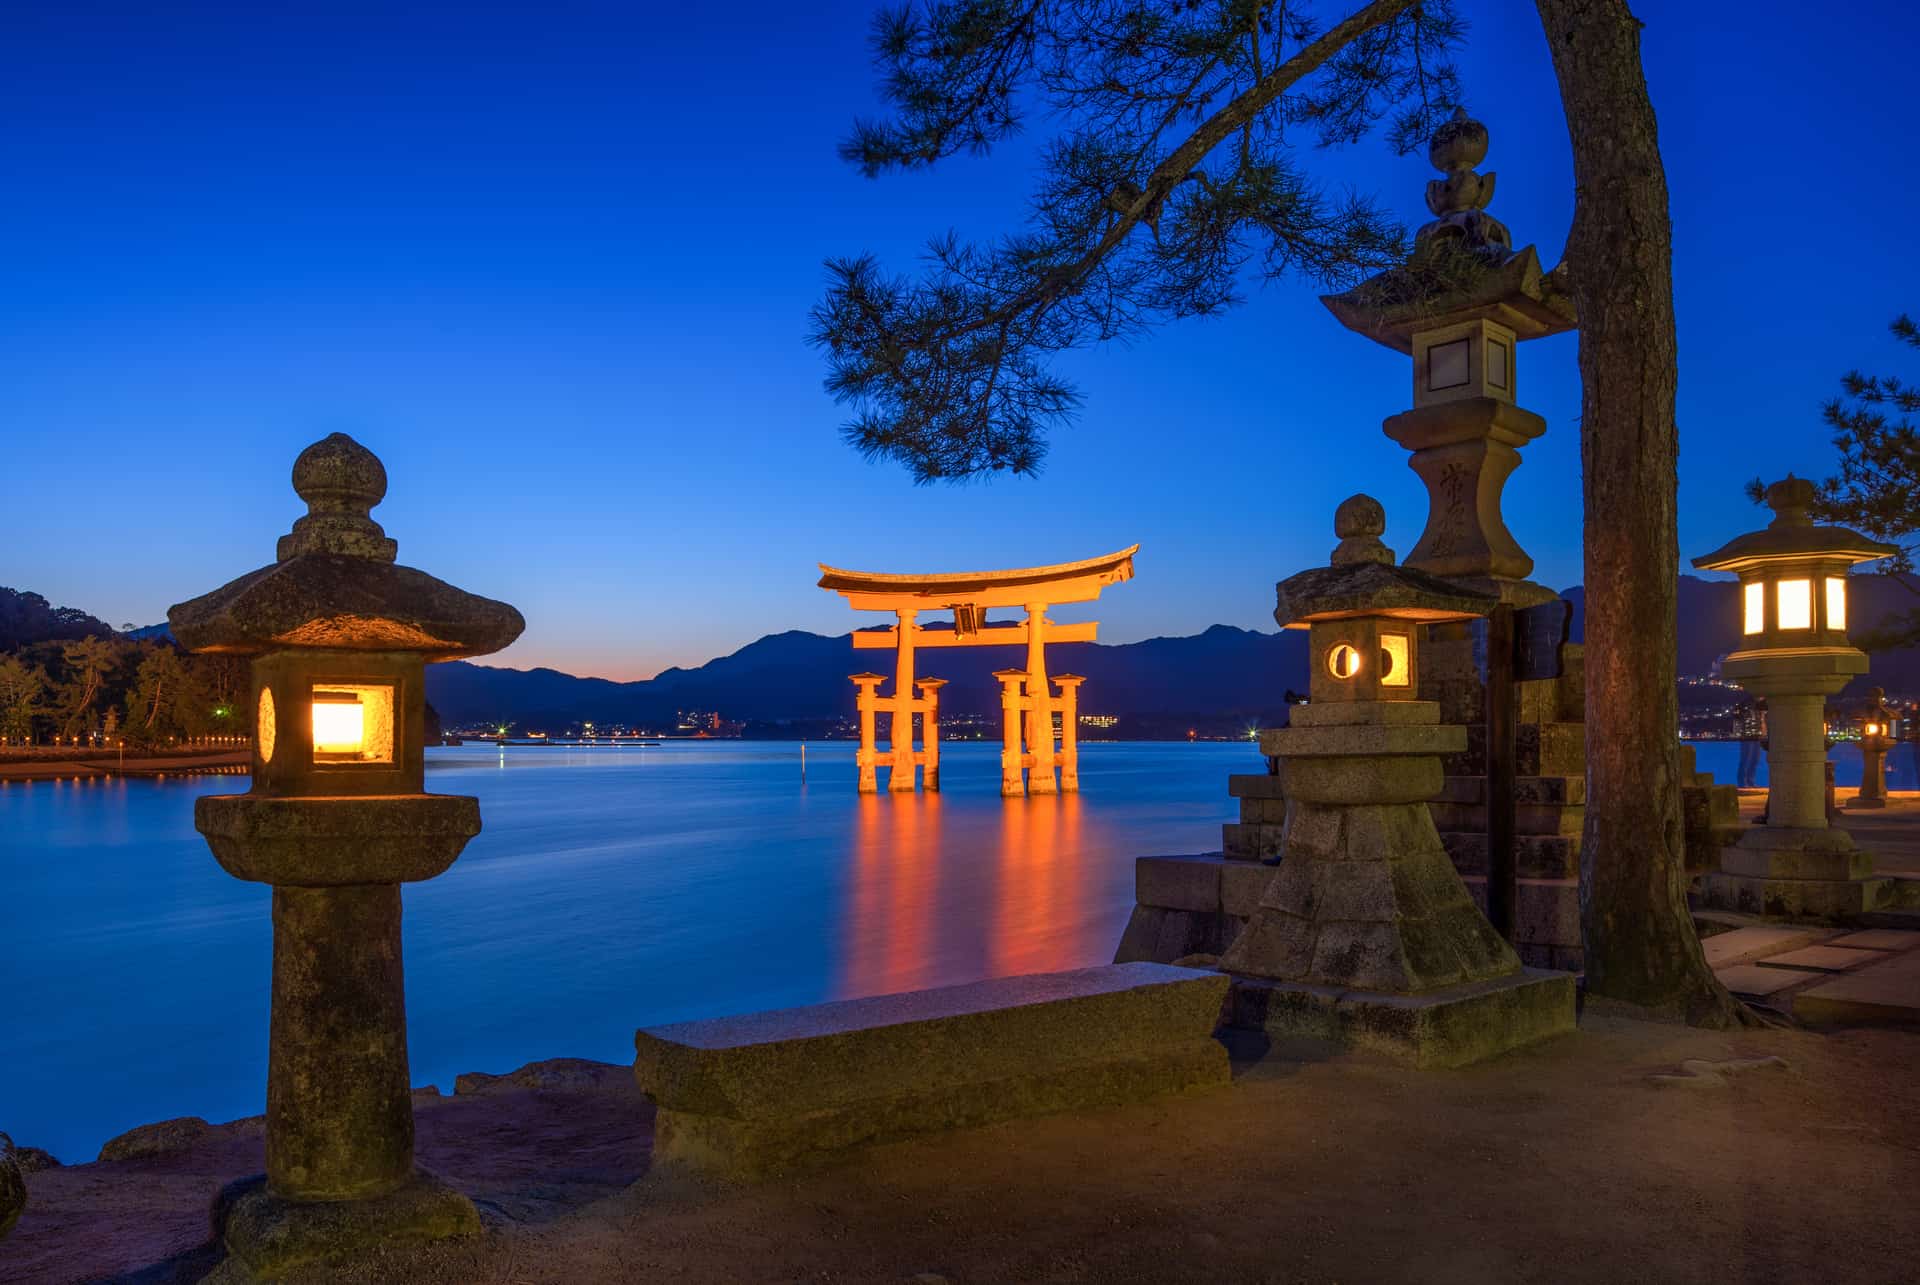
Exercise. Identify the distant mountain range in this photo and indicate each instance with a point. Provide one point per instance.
(798, 676)
(1223, 672)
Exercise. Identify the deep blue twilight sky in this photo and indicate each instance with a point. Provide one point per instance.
(553, 262)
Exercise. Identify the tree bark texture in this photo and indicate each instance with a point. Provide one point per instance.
(1641, 945)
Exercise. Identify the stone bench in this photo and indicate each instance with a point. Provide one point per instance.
(748, 1096)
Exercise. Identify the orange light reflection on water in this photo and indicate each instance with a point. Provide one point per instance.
(942, 894)
(1038, 926)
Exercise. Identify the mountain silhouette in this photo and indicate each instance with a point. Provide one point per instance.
(1222, 671)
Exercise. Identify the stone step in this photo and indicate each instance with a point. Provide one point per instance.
(1205, 882)
(1536, 856)
(1851, 899)
(763, 1093)
(1262, 785)
(1249, 842)
(1528, 818)
(1263, 811)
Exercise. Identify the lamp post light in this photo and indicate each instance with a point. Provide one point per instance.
(336, 820)
(1794, 653)
(1876, 738)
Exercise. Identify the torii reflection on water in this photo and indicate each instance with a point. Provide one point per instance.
(938, 898)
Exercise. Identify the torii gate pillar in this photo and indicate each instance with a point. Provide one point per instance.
(900, 779)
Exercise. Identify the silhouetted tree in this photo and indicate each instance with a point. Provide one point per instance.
(1173, 171)
(21, 689)
(1877, 489)
(88, 662)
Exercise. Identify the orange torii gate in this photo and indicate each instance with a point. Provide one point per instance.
(970, 595)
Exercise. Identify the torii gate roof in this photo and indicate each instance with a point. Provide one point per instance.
(1059, 582)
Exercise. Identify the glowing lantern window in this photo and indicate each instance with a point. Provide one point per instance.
(1343, 661)
(1836, 602)
(1394, 669)
(1756, 615)
(1794, 604)
(352, 724)
(264, 725)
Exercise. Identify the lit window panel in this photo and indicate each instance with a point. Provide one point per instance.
(1793, 607)
(1756, 607)
(1836, 602)
(1394, 670)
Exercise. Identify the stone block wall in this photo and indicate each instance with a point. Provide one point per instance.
(1710, 815)
(1197, 905)
(1549, 790)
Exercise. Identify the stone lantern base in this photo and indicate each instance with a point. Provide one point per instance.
(1455, 1026)
(1797, 872)
(267, 1236)
(1367, 936)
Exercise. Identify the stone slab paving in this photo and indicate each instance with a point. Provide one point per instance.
(1826, 959)
(1876, 939)
(1887, 991)
(1760, 983)
(1743, 945)
(1834, 976)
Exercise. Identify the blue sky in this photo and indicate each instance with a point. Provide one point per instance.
(553, 263)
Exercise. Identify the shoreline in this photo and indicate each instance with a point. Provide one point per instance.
(73, 767)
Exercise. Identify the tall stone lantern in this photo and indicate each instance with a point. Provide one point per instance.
(1461, 307)
(336, 820)
(1794, 654)
(1367, 935)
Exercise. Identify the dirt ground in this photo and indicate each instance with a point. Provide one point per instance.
(1563, 1163)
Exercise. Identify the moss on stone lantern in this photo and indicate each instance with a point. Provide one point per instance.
(336, 820)
(1794, 653)
(1367, 935)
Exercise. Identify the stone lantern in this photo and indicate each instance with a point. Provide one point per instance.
(1794, 654)
(1462, 307)
(1876, 738)
(336, 820)
(1366, 934)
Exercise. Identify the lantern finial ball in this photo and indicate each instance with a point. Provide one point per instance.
(1359, 522)
(337, 468)
(341, 481)
(1790, 499)
(1458, 144)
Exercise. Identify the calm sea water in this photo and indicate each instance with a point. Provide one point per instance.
(612, 888)
(1731, 765)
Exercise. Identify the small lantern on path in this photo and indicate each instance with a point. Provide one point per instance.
(336, 820)
(1876, 738)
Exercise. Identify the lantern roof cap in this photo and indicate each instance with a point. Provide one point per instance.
(335, 583)
(1793, 534)
(1363, 580)
(1463, 266)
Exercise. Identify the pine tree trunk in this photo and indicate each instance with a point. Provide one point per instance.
(1641, 945)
